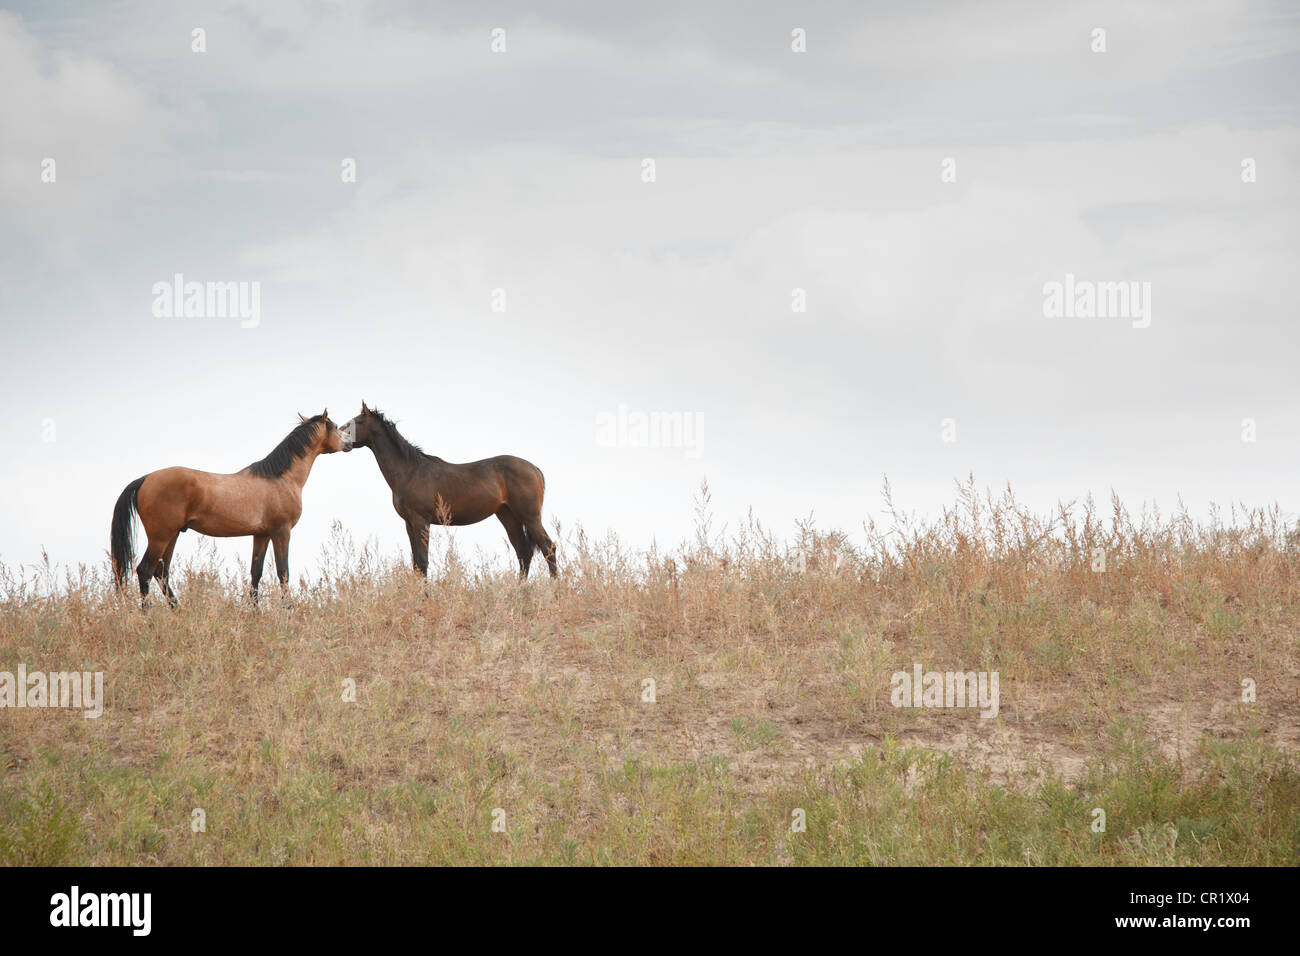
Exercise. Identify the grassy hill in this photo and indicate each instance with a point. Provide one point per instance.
(504, 722)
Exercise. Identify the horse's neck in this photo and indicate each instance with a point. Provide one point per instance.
(298, 472)
(391, 459)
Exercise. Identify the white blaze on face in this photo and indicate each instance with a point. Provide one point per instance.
(348, 432)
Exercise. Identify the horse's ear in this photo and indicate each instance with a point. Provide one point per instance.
(302, 417)
(363, 408)
(325, 414)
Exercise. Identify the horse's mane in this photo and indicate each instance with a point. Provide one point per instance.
(284, 454)
(412, 452)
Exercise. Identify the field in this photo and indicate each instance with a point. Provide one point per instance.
(504, 722)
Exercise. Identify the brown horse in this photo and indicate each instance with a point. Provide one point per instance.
(263, 500)
(428, 490)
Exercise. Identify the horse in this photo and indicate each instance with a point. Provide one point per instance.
(428, 490)
(263, 500)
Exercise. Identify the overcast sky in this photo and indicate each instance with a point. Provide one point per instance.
(920, 171)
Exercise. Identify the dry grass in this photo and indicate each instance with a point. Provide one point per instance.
(1119, 689)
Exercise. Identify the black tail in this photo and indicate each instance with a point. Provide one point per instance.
(121, 539)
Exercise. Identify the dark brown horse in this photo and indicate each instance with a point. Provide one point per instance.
(428, 490)
(264, 500)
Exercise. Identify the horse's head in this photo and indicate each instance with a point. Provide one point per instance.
(356, 431)
(331, 437)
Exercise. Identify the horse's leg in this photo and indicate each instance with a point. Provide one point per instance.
(280, 541)
(148, 565)
(260, 541)
(519, 539)
(417, 529)
(162, 572)
(543, 540)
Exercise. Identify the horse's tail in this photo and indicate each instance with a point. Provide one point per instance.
(122, 538)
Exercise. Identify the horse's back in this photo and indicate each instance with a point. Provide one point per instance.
(513, 464)
(504, 466)
(171, 481)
